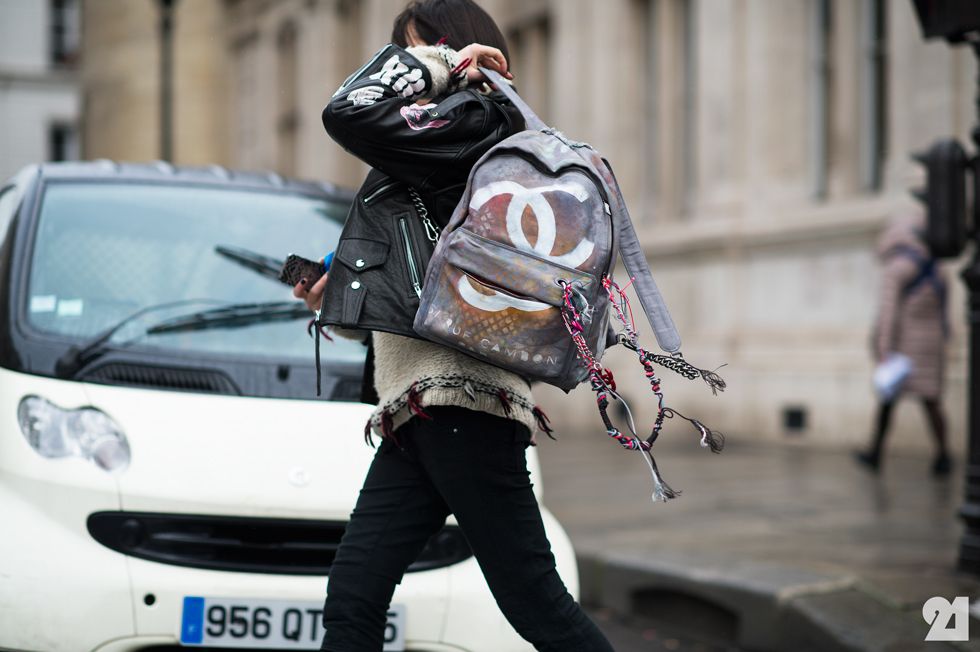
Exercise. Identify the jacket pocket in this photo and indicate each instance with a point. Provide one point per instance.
(347, 285)
(360, 254)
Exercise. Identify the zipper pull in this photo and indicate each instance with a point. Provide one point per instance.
(418, 289)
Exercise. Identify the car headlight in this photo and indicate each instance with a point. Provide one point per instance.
(85, 432)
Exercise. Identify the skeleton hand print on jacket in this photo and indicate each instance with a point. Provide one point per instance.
(430, 70)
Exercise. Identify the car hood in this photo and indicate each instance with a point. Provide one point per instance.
(239, 456)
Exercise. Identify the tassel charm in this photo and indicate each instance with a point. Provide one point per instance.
(711, 439)
(662, 492)
(679, 365)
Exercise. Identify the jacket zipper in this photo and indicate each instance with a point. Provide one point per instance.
(380, 191)
(412, 267)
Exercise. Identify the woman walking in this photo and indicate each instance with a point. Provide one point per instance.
(454, 430)
(911, 321)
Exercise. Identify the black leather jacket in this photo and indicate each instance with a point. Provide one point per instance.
(375, 278)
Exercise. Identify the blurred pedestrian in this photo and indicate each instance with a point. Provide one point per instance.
(454, 430)
(911, 322)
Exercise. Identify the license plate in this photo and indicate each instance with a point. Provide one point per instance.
(268, 624)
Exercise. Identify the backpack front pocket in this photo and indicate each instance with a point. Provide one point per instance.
(501, 305)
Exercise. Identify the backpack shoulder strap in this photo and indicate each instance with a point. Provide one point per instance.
(531, 119)
(635, 261)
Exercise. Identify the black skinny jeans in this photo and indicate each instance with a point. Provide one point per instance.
(473, 465)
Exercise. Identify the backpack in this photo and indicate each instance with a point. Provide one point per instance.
(521, 276)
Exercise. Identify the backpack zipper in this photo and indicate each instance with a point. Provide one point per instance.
(498, 288)
(412, 267)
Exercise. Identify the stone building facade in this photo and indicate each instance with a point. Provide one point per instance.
(761, 144)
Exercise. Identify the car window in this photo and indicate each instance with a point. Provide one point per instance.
(104, 251)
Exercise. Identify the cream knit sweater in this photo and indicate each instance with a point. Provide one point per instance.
(410, 374)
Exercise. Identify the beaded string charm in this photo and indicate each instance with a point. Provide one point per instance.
(576, 315)
(709, 438)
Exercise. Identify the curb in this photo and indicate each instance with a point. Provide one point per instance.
(756, 606)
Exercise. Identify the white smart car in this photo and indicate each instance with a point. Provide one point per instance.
(168, 478)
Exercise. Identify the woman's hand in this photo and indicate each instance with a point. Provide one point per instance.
(486, 56)
(312, 296)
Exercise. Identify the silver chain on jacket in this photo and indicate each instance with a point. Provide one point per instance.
(431, 230)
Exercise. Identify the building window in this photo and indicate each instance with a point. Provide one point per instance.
(820, 71)
(874, 115)
(288, 100)
(62, 142)
(65, 32)
(530, 59)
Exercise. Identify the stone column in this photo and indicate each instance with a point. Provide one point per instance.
(720, 93)
(120, 62)
(776, 108)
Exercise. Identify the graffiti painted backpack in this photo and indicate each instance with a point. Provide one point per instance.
(521, 276)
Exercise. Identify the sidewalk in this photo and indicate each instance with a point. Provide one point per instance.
(769, 547)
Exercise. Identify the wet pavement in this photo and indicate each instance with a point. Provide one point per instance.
(776, 535)
(637, 634)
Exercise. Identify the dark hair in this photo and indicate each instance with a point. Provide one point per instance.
(461, 22)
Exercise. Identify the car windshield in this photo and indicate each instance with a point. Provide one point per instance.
(104, 251)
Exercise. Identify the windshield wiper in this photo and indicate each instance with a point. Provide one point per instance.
(77, 357)
(225, 316)
(234, 316)
(258, 263)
